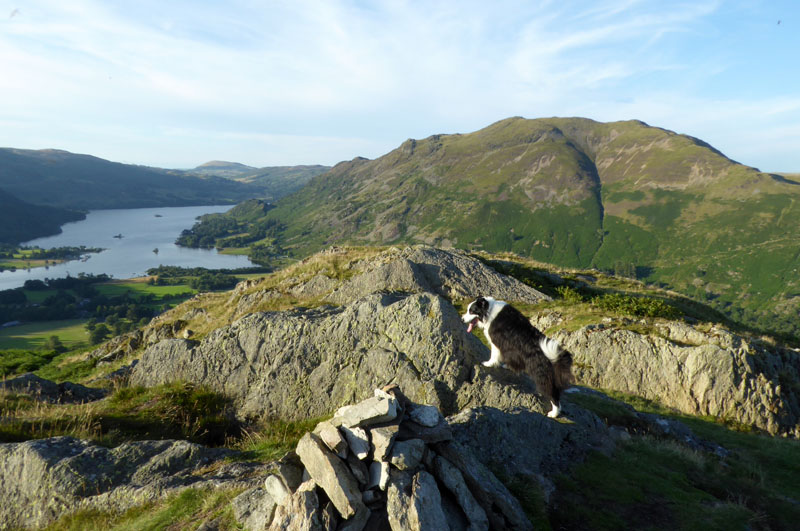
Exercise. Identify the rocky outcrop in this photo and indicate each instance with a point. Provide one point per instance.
(44, 479)
(714, 373)
(47, 391)
(419, 269)
(301, 364)
(305, 363)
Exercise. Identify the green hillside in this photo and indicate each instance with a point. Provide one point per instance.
(620, 196)
(21, 221)
(66, 180)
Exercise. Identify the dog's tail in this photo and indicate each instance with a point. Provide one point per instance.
(562, 364)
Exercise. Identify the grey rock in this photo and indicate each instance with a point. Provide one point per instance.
(331, 474)
(332, 438)
(449, 273)
(277, 489)
(378, 475)
(407, 454)
(253, 508)
(411, 430)
(382, 438)
(521, 442)
(414, 503)
(356, 523)
(713, 373)
(357, 440)
(501, 507)
(358, 468)
(47, 391)
(290, 470)
(425, 415)
(375, 410)
(301, 512)
(371, 496)
(45, 479)
(306, 363)
(330, 518)
(452, 479)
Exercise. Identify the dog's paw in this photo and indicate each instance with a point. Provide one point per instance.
(490, 363)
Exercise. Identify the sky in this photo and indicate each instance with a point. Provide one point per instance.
(177, 83)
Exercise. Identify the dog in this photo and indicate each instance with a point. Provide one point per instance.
(520, 346)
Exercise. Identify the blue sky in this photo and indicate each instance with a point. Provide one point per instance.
(265, 83)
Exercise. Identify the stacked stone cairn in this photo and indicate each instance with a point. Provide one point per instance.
(384, 463)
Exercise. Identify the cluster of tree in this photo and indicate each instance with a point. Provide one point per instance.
(265, 253)
(226, 230)
(76, 297)
(173, 275)
(204, 234)
(212, 281)
(59, 253)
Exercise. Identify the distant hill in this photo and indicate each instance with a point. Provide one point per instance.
(221, 168)
(67, 180)
(623, 196)
(21, 221)
(274, 181)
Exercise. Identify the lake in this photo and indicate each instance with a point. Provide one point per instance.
(142, 230)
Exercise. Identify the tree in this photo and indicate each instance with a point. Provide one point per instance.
(99, 334)
(54, 343)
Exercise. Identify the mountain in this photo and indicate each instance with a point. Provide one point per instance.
(624, 196)
(275, 181)
(66, 180)
(21, 221)
(221, 168)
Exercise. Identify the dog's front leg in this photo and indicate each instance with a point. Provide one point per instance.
(494, 359)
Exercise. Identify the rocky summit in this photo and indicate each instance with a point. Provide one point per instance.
(410, 431)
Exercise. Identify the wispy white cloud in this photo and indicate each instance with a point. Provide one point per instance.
(355, 75)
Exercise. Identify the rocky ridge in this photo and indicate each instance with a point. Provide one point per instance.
(715, 373)
(390, 318)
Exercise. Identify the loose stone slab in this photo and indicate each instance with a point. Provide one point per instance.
(332, 438)
(424, 415)
(277, 489)
(452, 479)
(378, 475)
(358, 440)
(407, 454)
(382, 439)
(369, 412)
(331, 474)
(253, 508)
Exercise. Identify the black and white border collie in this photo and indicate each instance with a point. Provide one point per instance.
(516, 343)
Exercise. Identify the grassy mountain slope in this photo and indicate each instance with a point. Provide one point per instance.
(67, 180)
(616, 196)
(21, 221)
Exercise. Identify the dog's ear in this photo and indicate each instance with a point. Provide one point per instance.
(480, 307)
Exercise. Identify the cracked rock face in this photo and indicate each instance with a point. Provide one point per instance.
(302, 364)
(714, 373)
(42, 480)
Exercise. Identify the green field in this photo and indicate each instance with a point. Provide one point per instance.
(32, 336)
(136, 288)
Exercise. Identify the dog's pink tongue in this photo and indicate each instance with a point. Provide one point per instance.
(471, 325)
